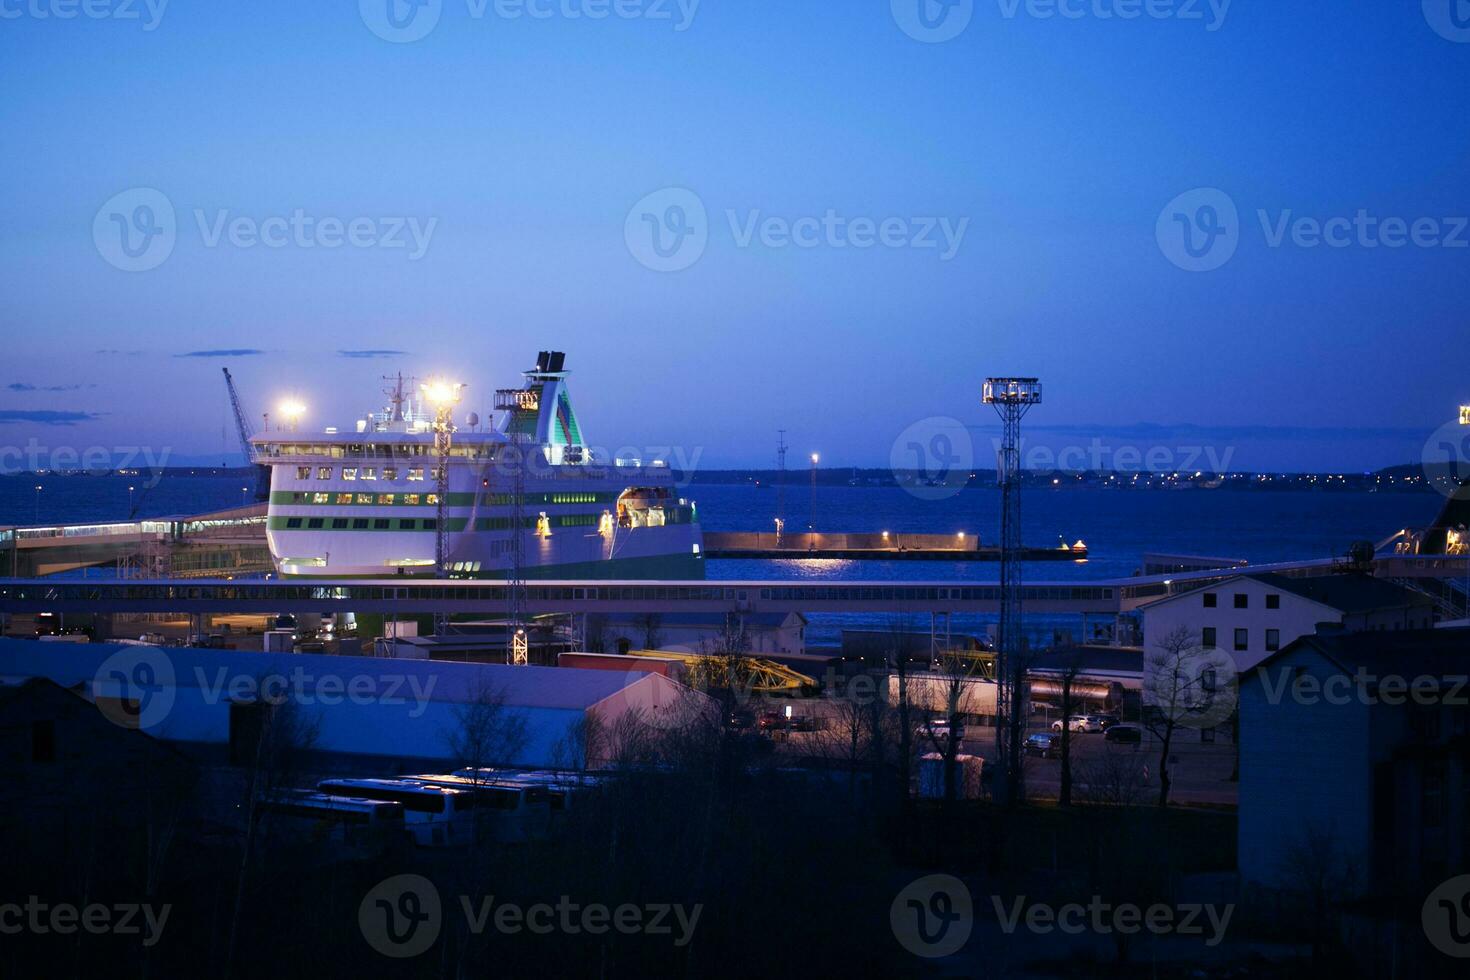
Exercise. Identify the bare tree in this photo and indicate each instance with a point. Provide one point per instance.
(1316, 867)
(1184, 686)
(1071, 666)
(272, 752)
(651, 624)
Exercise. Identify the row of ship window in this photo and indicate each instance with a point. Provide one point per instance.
(416, 499)
(425, 524)
(414, 473)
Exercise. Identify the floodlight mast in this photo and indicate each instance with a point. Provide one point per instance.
(1012, 398)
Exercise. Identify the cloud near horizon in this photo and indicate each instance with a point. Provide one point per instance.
(23, 386)
(231, 352)
(47, 418)
(372, 353)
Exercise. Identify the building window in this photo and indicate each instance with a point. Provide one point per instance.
(1242, 639)
(303, 472)
(1273, 639)
(1273, 601)
(1211, 600)
(1242, 601)
(324, 473)
(1207, 637)
(43, 740)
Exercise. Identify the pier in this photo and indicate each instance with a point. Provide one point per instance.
(873, 546)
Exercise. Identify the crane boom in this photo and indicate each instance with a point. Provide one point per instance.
(240, 423)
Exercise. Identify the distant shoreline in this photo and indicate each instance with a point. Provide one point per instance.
(1398, 479)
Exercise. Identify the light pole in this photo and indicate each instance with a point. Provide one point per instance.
(812, 527)
(244, 493)
(38, 503)
(130, 503)
(291, 410)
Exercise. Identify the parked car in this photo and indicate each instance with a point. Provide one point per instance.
(1081, 724)
(741, 719)
(939, 728)
(1108, 720)
(774, 721)
(1124, 734)
(1042, 744)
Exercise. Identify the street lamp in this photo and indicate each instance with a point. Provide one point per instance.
(38, 503)
(130, 503)
(812, 527)
(443, 396)
(291, 410)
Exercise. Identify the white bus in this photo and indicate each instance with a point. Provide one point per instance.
(516, 811)
(436, 816)
(345, 819)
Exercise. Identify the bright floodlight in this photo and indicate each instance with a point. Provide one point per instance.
(816, 458)
(291, 409)
(442, 393)
(1465, 414)
(1012, 391)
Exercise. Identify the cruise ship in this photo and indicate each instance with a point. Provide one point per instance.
(366, 504)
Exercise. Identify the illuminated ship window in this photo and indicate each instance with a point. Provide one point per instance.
(349, 472)
(321, 498)
(369, 473)
(324, 473)
(303, 472)
(431, 499)
(385, 499)
(344, 498)
(416, 474)
(390, 472)
(412, 499)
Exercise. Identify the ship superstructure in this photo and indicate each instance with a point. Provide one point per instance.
(366, 503)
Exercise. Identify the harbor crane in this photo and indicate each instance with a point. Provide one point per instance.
(262, 471)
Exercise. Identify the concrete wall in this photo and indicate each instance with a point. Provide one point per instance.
(1302, 766)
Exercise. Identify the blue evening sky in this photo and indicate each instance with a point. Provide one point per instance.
(526, 141)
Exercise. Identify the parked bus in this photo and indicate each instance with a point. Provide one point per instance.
(436, 816)
(516, 811)
(348, 820)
